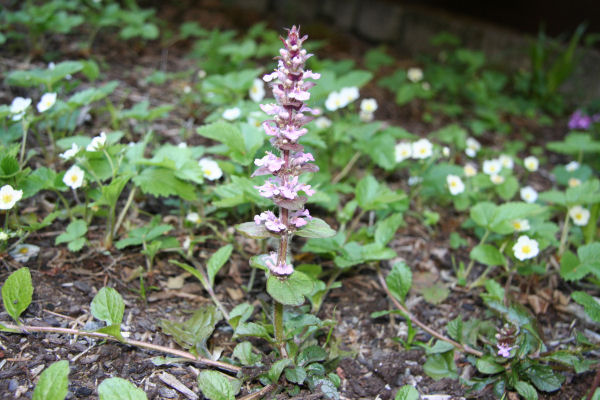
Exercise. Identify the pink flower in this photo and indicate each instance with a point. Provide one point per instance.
(269, 189)
(297, 220)
(279, 269)
(504, 350)
(271, 222)
(269, 164)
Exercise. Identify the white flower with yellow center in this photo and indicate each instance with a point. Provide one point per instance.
(210, 169)
(506, 161)
(491, 167)
(455, 184)
(70, 153)
(414, 74)
(446, 151)
(322, 123)
(422, 149)
(257, 90)
(574, 182)
(528, 194)
(470, 170)
(526, 248)
(9, 197)
(97, 143)
(520, 225)
(473, 146)
(46, 102)
(368, 105)
(403, 151)
(579, 215)
(572, 166)
(3, 236)
(349, 94)
(531, 163)
(18, 107)
(193, 217)
(74, 177)
(23, 252)
(497, 179)
(335, 101)
(232, 114)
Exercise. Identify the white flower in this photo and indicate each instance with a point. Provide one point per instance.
(497, 179)
(3, 236)
(193, 217)
(470, 170)
(422, 149)
(210, 169)
(23, 252)
(232, 113)
(366, 116)
(531, 163)
(403, 151)
(446, 151)
(528, 194)
(334, 101)
(506, 161)
(349, 94)
(187, 89)
(580, 215)
(574, 182)
(473, 146)
(182, 145)
(368, 105)
(9, 197)
(525, 248)
(70, 153)
(187, 243)
(492, 167)
(201, 74)
(18, 107)
(520, 225)
(414, 74)
(572, 166)
(51, 65)
(74, 177)
(257, 90)
(46, 102)
(97, 143)
(322, 123)
(455, 185)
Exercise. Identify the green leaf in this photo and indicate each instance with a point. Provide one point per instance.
(252, 329)
(254, 231)
(291, 290)
(120, 389)
(108, 306)
(570, 267)
(544, 378)
(589, 303)
(295, 375)
(440, 346)
(482, 213)
(17, 292)
(53, 383)
(163, 182)
(243, 352)
(487, 254)
(277, 368)
(88, 96)
(436, 293)
(215, 386)
(386, 229)
(75, 230)
(354, 78)
(526, 390)
(311, 354)
(399, 281)
(194, 332)
(372, 195)
(440, 366)
(407, 392)
(487, 365)
(316, 228)
(455, 329)
(216, 262)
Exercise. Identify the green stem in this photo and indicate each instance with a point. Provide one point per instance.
(472, 262)
(564, 235)
(124, 211)
(278, 326)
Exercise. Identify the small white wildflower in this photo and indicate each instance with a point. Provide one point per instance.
(187, 89)
(497, 179)
(182, 145)
(368, 105)
(520, 225)
(210, 169)
(349, 94)
(257, 90)
(322, 123)
(201, 74)
(193, 217)
(187, 243)
(574, 182)
(51, 65)
(18, 107)
(97, 143)
(506, 161)
(473, 146)
(334, 101)
(528, 194)
(446, 151)
(23, 252)
(531, 163)
(74, 177)
(414, 74)
(572, 166)
(46, 102)
(470, 170)
(422, 149)
(232, 113)
(3, 236)
(455, 184)
(525, 248)
(579, 215)
(403, 151)
(70, 153)
(9, 197)
(491, 167)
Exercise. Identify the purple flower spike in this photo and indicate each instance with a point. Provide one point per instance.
(279, 269)
(504, 350)
(580, 121)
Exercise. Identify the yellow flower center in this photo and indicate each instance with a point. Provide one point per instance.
(7, 198)
(526, 249)
(73, 178)
(23, 250)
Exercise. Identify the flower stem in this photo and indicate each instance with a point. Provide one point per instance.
(564, 235)
(472, 262)
(278, 326)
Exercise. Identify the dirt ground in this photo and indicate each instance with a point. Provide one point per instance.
(377, 365)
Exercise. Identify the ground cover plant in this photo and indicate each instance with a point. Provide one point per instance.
(449, 249)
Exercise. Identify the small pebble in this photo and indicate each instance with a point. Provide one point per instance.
(83, 392)
(13, 384)
(167, 393)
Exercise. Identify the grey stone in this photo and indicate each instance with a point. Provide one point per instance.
(167, 393)
(13, 384)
